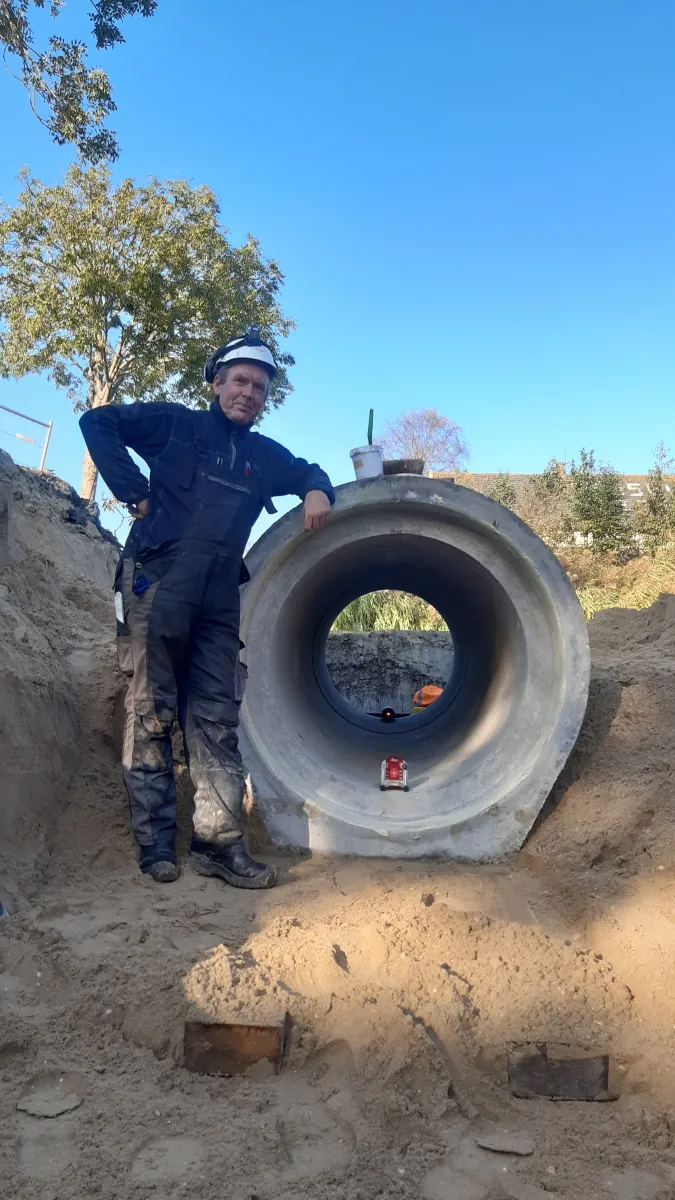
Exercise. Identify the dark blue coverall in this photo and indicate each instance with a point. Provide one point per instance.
(179, 577)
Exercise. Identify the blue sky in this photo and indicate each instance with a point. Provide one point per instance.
(472, 203)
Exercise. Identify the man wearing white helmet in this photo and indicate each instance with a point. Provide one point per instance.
(177, 596)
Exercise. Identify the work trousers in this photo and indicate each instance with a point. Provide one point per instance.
(178, 645)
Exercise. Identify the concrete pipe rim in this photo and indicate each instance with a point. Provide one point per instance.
(485, 755)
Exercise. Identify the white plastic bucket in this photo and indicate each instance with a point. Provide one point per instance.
(367, 461)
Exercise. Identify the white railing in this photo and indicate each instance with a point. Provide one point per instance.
(48, 425)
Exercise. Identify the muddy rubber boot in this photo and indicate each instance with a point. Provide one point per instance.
(161, 869)
(231, 863)
(163, 872)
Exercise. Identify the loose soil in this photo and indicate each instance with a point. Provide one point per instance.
(405, 981)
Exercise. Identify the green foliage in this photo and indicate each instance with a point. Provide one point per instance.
(655, 516)
(70, 98)
(121, 293)
(597, 506)
(583, 507)
(550, 483)
(503, 491)
(544, 504)
(388, 610)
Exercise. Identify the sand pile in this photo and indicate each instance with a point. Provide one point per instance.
(405, 983)
(618, 786)
(56, 570)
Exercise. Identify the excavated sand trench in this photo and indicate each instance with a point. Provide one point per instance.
(405, 981)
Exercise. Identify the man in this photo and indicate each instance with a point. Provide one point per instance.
(177, 596)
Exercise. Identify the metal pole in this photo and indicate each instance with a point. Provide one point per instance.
(44, 424)
(46, 446)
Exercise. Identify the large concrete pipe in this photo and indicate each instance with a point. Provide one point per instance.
(483, 757)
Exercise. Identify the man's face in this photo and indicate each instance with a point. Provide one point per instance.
(241, 390)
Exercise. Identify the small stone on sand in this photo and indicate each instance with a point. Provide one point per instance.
(503, 1141)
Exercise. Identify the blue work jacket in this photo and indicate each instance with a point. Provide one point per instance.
(209, 477)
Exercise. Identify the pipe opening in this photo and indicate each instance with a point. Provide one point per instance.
(480, 697)
(389, 654)
(483, 756)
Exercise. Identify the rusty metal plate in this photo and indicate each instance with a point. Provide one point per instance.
(231, 1048)
(558, 1071)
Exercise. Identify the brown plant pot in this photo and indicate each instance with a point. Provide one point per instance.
(403, 466)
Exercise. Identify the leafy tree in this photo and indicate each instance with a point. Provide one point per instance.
(544, 503)
(70, 98)
(503, 490)
(583, 499)
(597, 506)
(425, 433)
(551, 482)
(655, 516)
(121, 293)
(613, 532)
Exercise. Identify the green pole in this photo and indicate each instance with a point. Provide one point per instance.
(370, 426)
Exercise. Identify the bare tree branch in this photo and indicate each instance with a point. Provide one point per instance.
(425, 433)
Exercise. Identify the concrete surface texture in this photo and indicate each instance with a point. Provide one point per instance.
(484, 757)
(384, 669)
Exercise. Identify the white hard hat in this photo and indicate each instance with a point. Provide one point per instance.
(249, 348)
